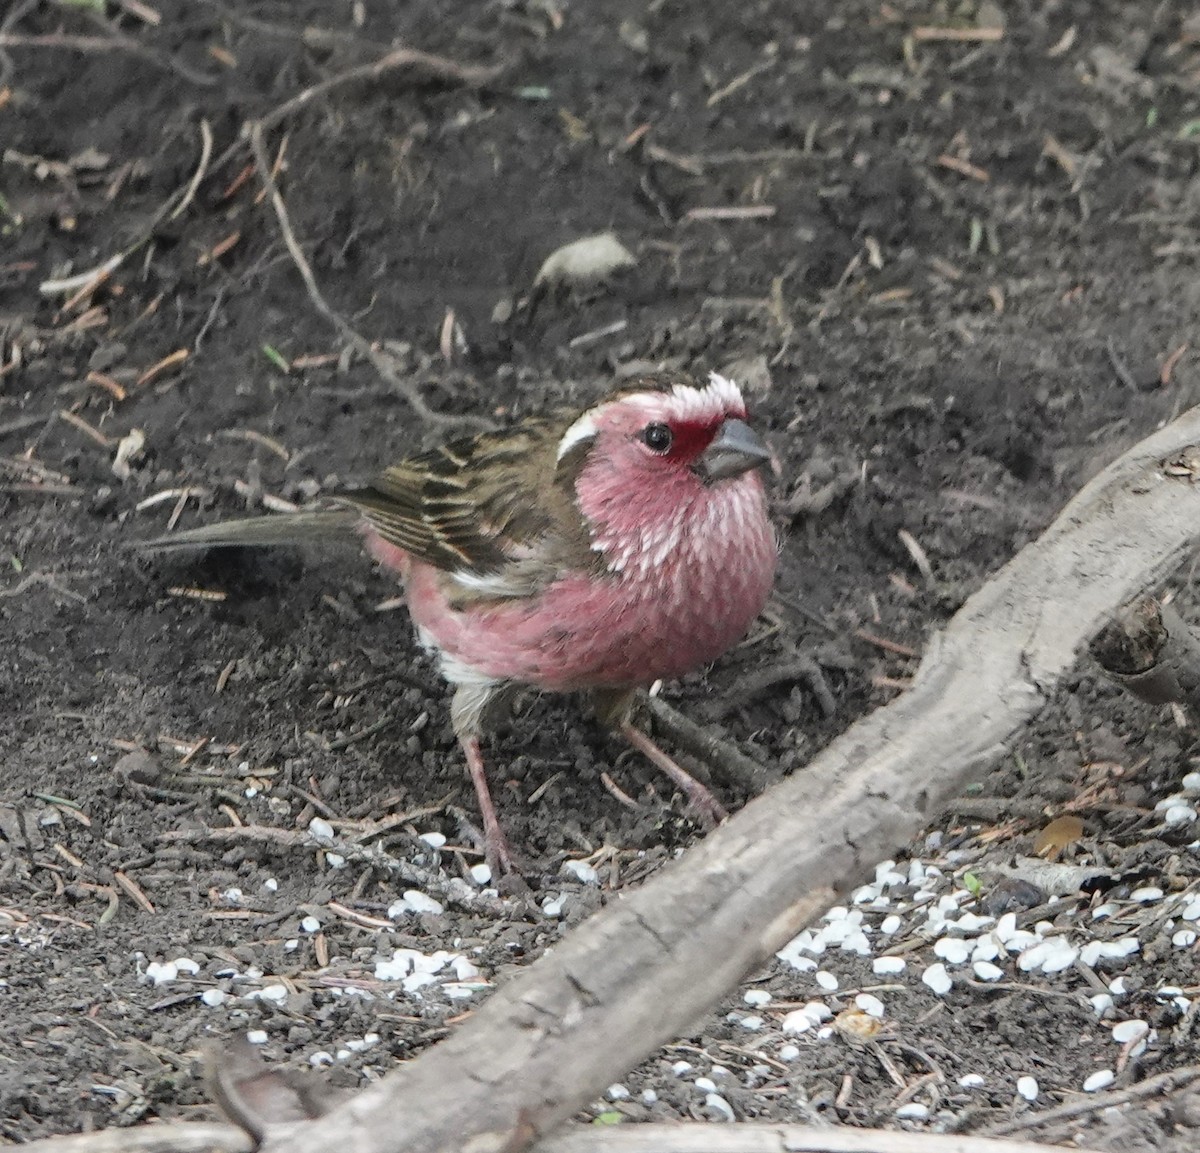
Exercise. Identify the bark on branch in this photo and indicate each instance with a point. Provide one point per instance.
(688, 1138)
(640, 973)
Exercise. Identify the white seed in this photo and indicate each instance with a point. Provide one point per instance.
(953, 950)
(1027, 1087)
(937, 979)
(1133, 1030)
(872, 1006)
(1101, 1079)
(885, 966)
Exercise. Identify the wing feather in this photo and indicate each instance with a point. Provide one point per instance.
(481, 505)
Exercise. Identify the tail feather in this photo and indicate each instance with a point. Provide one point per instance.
(285, 528)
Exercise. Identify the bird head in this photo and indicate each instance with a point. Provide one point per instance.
(660, 466)
(668, 430)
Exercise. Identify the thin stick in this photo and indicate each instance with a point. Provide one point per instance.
(1163, 1083)
(359, 343)
(440, 68)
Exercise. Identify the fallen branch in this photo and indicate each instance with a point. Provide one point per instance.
(641, 973)
(686, 1138)
(1149, 650)
(767, 1138)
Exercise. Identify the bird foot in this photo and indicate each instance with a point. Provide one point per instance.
(710, 811)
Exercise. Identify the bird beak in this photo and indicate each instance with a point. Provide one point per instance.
(735, 449)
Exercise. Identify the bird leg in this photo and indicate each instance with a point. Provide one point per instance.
(475, 703)
(495, 844)
(613, 709)
(700, 796)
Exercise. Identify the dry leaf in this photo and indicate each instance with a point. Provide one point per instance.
(857, 1025)
(1056, 836)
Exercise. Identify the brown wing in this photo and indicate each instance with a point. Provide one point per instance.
(476, 504)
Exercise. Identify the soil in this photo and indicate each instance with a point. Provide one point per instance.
(960, 279)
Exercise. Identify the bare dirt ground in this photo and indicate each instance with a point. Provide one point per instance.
(957, 276)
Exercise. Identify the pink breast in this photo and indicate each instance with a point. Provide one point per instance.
(628, 628)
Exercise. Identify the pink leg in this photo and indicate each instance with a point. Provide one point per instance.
(495, 844)
(701, 798)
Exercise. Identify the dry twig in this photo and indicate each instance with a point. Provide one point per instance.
(360, 344)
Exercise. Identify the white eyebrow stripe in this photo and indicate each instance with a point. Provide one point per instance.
(583, 429)
(717, 397)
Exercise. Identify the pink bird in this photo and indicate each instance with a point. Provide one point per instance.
(600, 550)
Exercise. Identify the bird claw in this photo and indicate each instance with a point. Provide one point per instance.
(701, 801)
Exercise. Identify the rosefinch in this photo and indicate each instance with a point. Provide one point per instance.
(598, 551)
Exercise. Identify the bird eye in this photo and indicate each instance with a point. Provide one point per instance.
(657, 437)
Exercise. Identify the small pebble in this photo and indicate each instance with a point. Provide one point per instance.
(1027, 1087)
(913, 1111)
(890, 925)
(617, 1092)
(1101, 1079)
(213, 998)
(827, 981)
(788, 1052)
(756, 997)
(310, 924)
(481, 874)
(986, 971)
(321, 829)
(971, 1081)
(433, 840)
(886, 966)
(705, 1084)
(257, 1036)
(719, 1105)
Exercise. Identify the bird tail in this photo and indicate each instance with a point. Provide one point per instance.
(284, 528)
